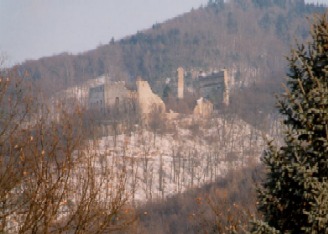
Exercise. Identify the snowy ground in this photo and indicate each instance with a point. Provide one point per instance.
(161, 165)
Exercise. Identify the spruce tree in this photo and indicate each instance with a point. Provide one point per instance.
(294, 197)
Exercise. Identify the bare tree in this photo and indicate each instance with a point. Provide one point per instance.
(53, 178)
(156, 122)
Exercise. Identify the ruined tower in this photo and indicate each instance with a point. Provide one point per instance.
(180, 82)
(226, 88)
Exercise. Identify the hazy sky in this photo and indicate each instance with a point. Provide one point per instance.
(34, 28)
(30, 29)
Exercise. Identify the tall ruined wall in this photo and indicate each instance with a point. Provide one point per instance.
(108, 94)
(215, 82)
(115, 92)
(147, 99)
(96, 97)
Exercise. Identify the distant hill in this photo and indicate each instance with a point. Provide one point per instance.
(249, 37)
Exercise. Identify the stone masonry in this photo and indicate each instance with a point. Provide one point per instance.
(203, 109)
(215, 82)
(148, 101)
(107, 94)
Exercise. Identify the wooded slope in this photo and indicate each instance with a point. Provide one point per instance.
(249, 37)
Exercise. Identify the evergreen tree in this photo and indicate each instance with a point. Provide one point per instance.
(294, 197)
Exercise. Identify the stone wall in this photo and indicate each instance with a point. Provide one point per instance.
(96, 97)
(204, 108)
(107, 94)
(215, 82)
(226, 88)
(115, 93)
(147, 99)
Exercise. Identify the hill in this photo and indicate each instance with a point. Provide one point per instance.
(249, 37)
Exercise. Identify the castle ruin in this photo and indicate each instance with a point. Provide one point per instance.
(215, 83)
(204, 108)
(148, 101)
(108, 94)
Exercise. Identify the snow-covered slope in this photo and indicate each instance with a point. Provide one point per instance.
(192, 155)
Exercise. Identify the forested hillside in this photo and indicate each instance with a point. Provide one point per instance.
(115, 168)
(249, 37)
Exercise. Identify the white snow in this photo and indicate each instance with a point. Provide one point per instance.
(173, 162)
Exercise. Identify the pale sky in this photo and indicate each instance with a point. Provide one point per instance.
(30, 29)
